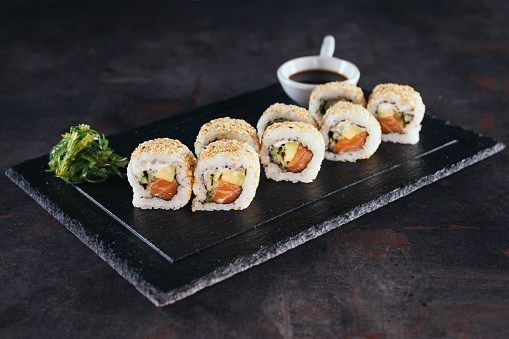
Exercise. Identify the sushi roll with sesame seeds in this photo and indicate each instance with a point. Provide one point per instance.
(292, 151)
(226, 176)
(399, 110)
(161, 174)
(350, 132)
(280, 113)
(226, 128)
(326, 95)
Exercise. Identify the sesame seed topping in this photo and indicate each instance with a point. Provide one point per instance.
(228, 147)
(339, 85)
(405, 92)
(228, 124)
(344, 106)
(299, 126)
(162, 146)
(288, 112)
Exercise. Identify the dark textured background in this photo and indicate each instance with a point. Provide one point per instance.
(435, 263)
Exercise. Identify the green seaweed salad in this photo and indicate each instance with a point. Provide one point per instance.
(83, 155)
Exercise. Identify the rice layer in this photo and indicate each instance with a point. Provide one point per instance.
(282, 111)
(226, 128)
(304, 133)
(331, 91)
(357, 115)
(226, 154)
(154, 155)
(407, 100)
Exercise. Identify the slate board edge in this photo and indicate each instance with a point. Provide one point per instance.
(270, 252)
(78, 230)
(160, 298)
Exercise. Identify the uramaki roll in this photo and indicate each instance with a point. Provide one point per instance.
(292, 151)
(399, 110)
(282, 112)
(226, 128)
(226, 176)
(350, 132)
(161, 174)
(326, 95)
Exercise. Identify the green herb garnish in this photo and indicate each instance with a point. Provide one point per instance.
(270, 123)
(326, 104)
(83, 155)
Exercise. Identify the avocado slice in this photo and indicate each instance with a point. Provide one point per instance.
(147, 177)
(166, 173)
(211, 178)
(283, 153)
(345, 131)
(234, 176)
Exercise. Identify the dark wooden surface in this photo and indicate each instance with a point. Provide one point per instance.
(435, 263)
(169, 255)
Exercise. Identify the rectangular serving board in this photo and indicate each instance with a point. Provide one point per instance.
(168, 255)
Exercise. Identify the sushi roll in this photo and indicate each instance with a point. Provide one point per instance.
(399, 110)
(350, 132)
(161, 174)
(292, 151)
(226, 128)
(226, 176)
(280, 113)
(326, 95)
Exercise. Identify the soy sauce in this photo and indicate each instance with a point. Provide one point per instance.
(317, 76)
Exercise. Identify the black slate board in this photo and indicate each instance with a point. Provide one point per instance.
(168, 255)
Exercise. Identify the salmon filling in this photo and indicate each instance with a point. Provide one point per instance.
(300, 160)
(225, 192)
(163, 189)
(291, 156)
(351, 145)
(391, 124)
(224, 186)
(347, 137)
(160, 183)
(391, 118)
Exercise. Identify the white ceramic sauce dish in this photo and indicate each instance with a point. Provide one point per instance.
(300, 91)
